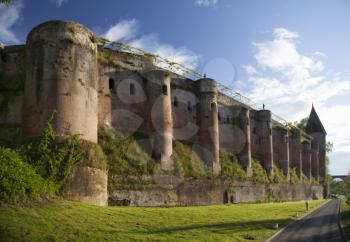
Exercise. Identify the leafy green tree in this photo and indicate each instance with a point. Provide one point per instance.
(301, 124)
(6, 1)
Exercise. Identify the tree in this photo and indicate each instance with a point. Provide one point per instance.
(301, 124)
(6, 1)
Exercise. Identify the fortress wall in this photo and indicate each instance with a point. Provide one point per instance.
(228, 130)
(12, 74)
(184, 110)
(320, 139)
(306, 159)
(254, 134)
(163, 190)
(128, 102)
(281, 148)
(91, 86)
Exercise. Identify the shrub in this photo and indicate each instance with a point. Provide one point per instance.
(230, 167)
(187, 162)
(125, 154)
(51, 160)
(278, 175)
(259, 172)
(18, 179)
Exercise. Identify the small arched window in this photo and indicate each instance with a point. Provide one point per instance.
(132, 89)
(111, 85)
(175, 101)
(165, 90)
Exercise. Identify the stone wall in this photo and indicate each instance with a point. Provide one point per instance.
(165, 190)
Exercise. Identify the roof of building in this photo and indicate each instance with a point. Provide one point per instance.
(314, 124)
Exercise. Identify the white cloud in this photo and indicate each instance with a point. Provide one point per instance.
(205, 3)
(59, 2)
(122, 30)
(127, 31)
(288, 82)
(181, 55)
(9, 16)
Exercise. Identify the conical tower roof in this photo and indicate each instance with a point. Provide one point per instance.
(314, 124)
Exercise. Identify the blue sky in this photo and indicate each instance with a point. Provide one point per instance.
(287, 54)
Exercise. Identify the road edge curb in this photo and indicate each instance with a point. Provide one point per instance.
(306, 214)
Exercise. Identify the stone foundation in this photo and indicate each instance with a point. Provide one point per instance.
(164, 190)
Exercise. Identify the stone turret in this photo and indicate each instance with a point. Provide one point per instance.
(160, 122)
(246, 154)
(208, 123)
(315, 128)
(295, 150)
(265, 136)
(62, 75)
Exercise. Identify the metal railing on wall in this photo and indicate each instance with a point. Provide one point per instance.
(186, 72)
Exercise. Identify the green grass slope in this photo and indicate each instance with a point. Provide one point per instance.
(71, 221)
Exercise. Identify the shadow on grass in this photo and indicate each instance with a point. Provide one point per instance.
(226, 227)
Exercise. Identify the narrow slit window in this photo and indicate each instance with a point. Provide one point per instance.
(175, 101)
(189, 106)
(219, 116)
(228, 119)
(111, 85)
(132, 89)
(165, 90)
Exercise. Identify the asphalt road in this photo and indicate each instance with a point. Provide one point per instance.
(320, 225)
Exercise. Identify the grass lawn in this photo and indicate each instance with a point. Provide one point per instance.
(62, 220)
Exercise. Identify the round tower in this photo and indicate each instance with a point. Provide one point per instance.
(62, 76)
(246, 154)
(160, 122)
(266, 145)
(208, 122)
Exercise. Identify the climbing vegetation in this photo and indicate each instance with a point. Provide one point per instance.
(230, 167)
(41, 167)
(126, 153)
(187, 162)
(259, 173)
(278, 175)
